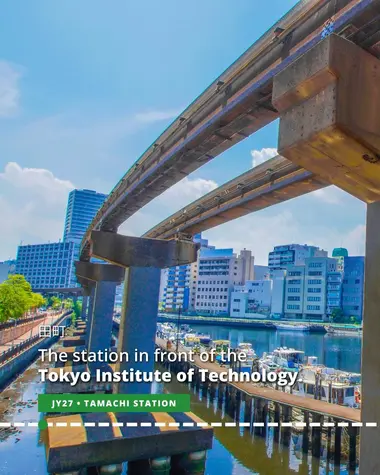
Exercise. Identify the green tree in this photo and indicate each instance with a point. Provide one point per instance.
(13, 304)
(36, 301)
(77, 308)
(337, 315)
(56, 302)
(68, 304)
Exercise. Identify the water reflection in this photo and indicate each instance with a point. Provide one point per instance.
(341, 352)
(236, 451)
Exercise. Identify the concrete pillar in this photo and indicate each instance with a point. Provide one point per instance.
(84, 307)
(101, 324)
(370, 408)
(90, 314)
(138, 323)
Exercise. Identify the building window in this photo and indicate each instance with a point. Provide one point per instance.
(315, 264)
(314, 299)
(294, 273)
(294, 290)
(294, 281)
(293, 307)
(314, 290)
(315, 272)
(314, 281)
(313, 307)
(294, 298)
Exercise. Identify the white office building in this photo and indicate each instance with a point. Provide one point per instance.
(219, 270)
(252, 299)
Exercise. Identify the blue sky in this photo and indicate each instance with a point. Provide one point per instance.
(86, 87)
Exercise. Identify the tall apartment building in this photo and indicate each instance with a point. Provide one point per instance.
(306, 288)
(178, 284)
(82, 207)
(285, 256)
(51, 265)
(353, 286)
(219, 270)
(46, 266)
(334, 290)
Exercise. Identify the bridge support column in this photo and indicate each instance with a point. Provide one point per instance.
(138, 322)
(90, 314)
(370, 437)
(105, 277)
(143, 258)
(101, 324)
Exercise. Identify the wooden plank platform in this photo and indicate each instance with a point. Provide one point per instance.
(73, 341)
(72, 448)
(307, 404)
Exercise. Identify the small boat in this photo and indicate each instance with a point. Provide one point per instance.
(288, 358)
(221, 346)
(204, 339)
(251, 357)
(191, 339)
(328, 384)
(292, 328)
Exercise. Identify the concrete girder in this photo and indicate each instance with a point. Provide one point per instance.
(129, 251)
(95, 272)
(329, 104)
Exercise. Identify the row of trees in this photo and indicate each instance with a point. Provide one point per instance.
(17, 298)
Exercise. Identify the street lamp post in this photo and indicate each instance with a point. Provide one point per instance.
(178, 325)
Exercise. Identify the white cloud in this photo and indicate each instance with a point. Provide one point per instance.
(172, 200)
(157, 115)
(331, 195)
(261, 156)
(32, 207)
(9, 89)
(37, 181)
(187, 190)
(263, 230)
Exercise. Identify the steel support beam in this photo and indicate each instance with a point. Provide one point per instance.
(370, 437)
(129, 251)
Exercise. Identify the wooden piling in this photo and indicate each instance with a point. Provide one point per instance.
(352, 432)
(286, 431)
(316, 436)
(337, 445)
(305, 434)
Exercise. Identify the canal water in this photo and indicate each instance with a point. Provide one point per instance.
(235, 452)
